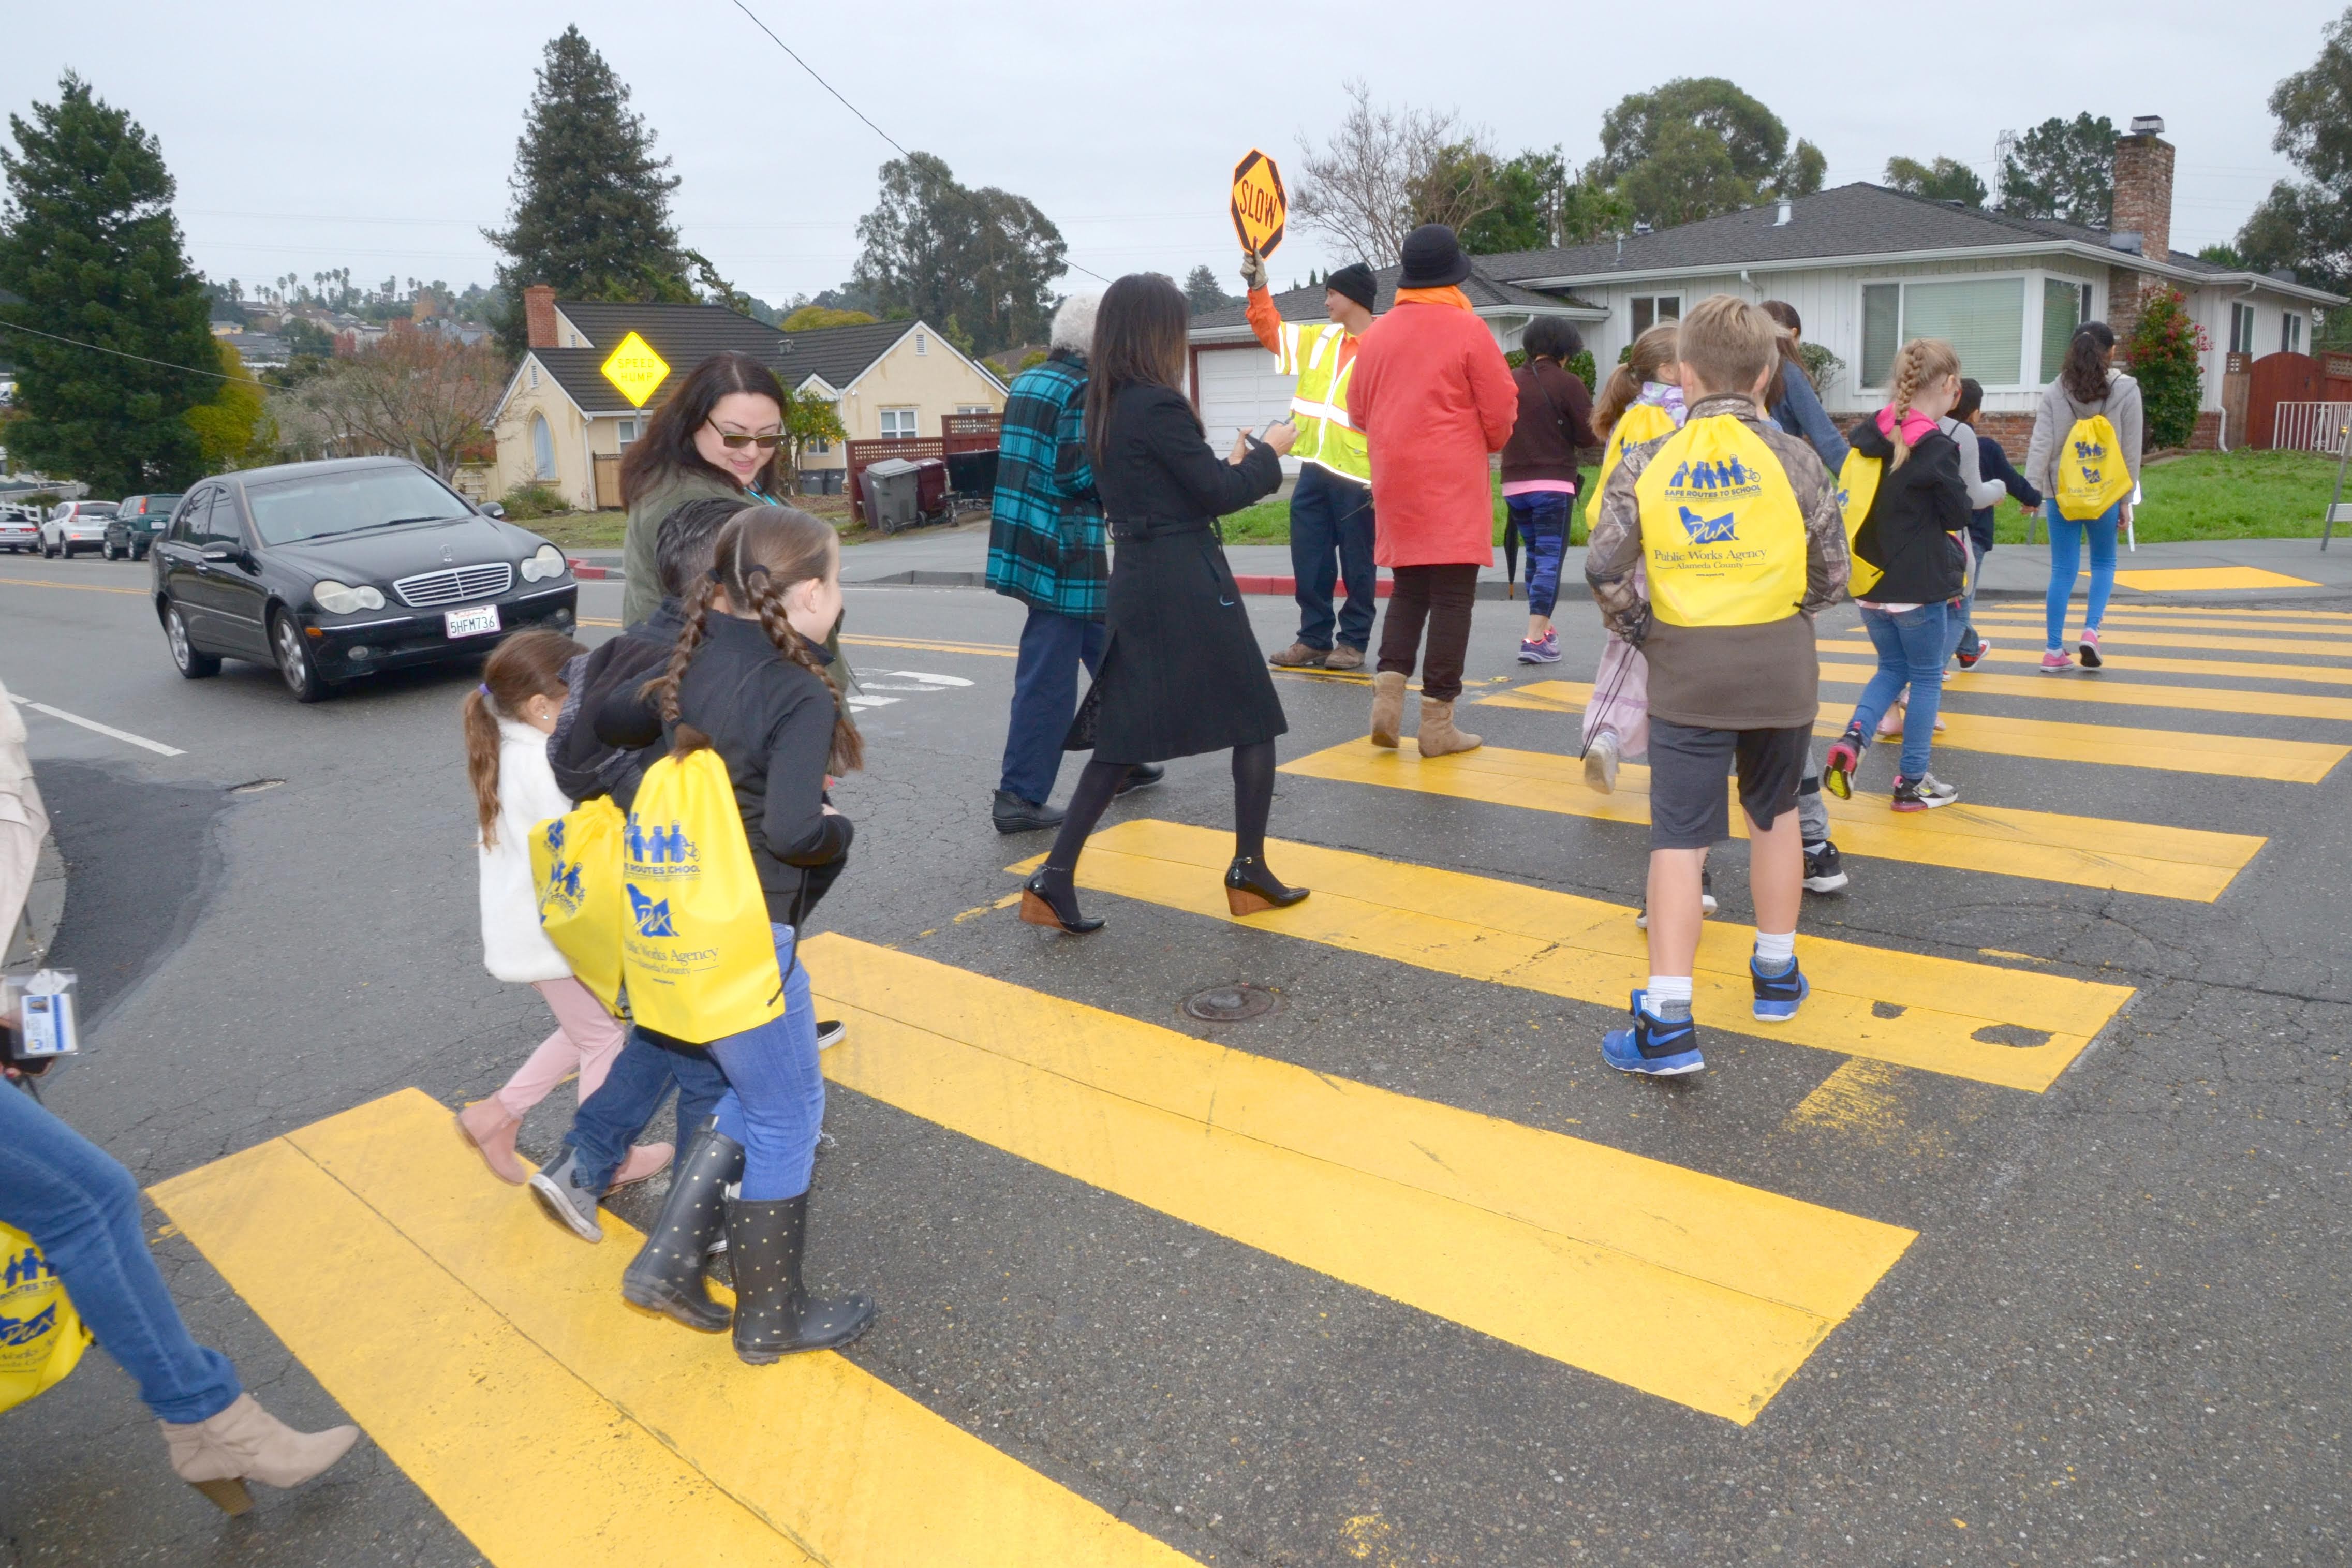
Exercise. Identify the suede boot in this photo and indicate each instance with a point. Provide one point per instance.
(217, 1456)
(489, 1128)
(775, 1317)
(667, 1275)
(1388, 708)
(1438, 736)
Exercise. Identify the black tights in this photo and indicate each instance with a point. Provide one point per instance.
(1253, 801)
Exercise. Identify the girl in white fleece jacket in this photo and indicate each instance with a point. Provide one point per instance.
(508, 719)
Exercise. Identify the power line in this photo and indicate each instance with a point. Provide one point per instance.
(861, 113)
(118, 354)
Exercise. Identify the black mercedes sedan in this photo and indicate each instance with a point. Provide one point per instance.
(335, 570)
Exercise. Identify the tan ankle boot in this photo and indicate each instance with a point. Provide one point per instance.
(244, 1443)
(1388, 708)
(642, 1162)
(1438, 735)
(490, 1129)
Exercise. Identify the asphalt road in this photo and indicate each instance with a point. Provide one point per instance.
(2118, 1337)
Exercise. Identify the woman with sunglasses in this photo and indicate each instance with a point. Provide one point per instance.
(721, 433)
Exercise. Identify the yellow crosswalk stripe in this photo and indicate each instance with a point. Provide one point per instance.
(2150, 622)
(1978, 1021)
(2207, 579)
(2343, 617)
(1546, 1242)
(2125, 648)
(2113, 691)
(2174, 750)
(2050, 846)
(2125, 663)
(492, 1357)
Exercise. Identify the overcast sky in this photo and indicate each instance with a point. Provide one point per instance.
(304, 139)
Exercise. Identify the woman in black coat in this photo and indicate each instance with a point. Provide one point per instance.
(1182, 672)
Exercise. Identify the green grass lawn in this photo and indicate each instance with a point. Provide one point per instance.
(2204, 495)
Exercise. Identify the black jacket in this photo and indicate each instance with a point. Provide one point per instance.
(1994, 464)
(771, 722)
(585, 765)
(1918, 507)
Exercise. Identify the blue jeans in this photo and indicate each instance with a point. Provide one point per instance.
(774, 1104)
(1960, 635)
(1331, 539)
(2065, 560)
(609, 1121)
(81, 1208)
(1912, 648)
(1542, 518)
(1046, 698)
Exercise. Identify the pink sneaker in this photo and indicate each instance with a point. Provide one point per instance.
(1890, 723)
(2090, 659)
(2056, 663)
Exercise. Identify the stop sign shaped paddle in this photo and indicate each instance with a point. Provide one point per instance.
(1260, 204)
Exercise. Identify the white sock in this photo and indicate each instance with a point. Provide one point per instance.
(1669, 996)
(1775, 953)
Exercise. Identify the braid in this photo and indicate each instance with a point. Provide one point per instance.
(662, 688)
(1906, 387)
(848, 747)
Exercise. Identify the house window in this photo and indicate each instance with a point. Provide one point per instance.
(542, 448)
(2241, 329)
(2291, 334)
(1649, 310)
(2065, 305)
(922, 343)
(1982, 318)
(898, 423)
(534, 376)
(975, 408)
(629, 431)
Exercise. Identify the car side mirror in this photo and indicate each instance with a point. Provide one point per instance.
(222, 552)
(492, 508)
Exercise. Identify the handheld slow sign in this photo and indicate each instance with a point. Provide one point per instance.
(1260, 204)
(636, 369)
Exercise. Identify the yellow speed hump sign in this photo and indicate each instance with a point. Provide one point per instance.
(636, 369)
(1260, 204)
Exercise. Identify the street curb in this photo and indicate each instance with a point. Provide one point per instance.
(45, 909)
(590, 572)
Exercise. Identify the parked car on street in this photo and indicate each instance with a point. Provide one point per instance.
(20, 528)
(75, 526)
(335, 570)
(137, 521)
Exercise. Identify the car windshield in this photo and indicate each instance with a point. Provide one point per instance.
(319, 504)
(158, 506)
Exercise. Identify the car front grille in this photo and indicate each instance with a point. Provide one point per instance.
(428, 590)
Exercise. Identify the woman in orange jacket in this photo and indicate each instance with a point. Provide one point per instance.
(1434, 398)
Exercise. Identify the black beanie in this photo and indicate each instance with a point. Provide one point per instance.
(1355, 281)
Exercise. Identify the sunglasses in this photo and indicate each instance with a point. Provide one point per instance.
(735, 443)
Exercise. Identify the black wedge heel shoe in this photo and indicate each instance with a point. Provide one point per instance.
(1251, 889)
(1041, 905)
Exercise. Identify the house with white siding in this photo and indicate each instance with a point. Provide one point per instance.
(1867, 267)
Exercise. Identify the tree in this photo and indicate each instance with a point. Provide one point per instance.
(2306, 225)
(977, 264)
(1383, 172)
(2062, 169)
(2222, 255)
(419, 395)
(812, 318)
(1699, 147)
(233, 429)
(811, 416)
(2164, 347)
(1203, 292)
(1945, 180)
(590, 211)
(89, 245)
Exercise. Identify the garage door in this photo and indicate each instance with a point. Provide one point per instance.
(1240, 391)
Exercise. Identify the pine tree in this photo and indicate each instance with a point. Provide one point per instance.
(88, 244)
(590, 211)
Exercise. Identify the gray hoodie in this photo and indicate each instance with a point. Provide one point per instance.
(2056, 415)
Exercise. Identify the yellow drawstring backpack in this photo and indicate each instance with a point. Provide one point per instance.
(1641, 422)
(41, 1336)
(1722, 535)
(1857, 490)
(2091, 473)
(697, 946)
(575, 868)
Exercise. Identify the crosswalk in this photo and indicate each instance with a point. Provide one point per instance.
(490, 1357)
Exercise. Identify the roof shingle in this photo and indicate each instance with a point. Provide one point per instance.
(1306, 304)
(686, 335)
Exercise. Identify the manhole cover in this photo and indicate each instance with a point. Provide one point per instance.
(254, 786)
(1229, 1004)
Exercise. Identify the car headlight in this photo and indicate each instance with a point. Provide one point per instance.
(546, 563)
(341, 599)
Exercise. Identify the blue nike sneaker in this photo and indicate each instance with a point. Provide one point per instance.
(1777, 996)
(1653, 1046)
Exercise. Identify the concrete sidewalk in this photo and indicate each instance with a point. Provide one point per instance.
(2220, 571)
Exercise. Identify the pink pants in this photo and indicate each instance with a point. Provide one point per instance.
(586, 1041)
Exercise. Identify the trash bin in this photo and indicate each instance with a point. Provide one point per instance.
(974, 474)
(893, 496)
(930, 487)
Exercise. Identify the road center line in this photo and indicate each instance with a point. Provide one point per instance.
(155, 746)
(76, 587)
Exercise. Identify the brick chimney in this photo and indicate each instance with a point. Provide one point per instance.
(539, 299)
(2143, 180)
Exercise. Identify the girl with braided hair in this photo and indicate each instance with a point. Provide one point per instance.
(1921, 502)
(748, 678)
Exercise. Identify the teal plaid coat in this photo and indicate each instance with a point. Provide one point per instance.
(1045, 545)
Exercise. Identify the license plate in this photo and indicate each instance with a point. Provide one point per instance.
(472, 623)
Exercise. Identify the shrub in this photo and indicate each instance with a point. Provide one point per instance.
(1820, 365)
(527, 501)
(2163, 349)
(1582, 367)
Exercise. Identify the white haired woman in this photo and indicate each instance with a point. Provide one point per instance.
(1046, 548)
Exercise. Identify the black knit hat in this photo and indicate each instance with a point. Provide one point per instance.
(1354, 281)
(1433, 258)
